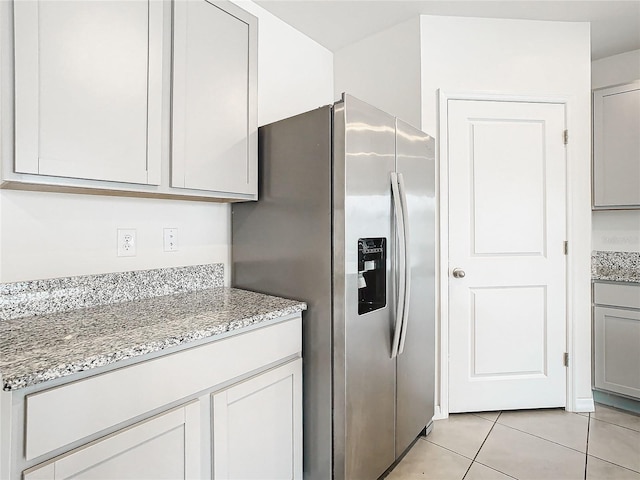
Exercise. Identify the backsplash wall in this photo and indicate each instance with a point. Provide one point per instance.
(49, 235)
(616, 230)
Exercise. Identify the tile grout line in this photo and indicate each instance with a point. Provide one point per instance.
(542, 438)
(599, 458)
(618, 411)
(440, 446)
(586, 453)
(614, 463)
(481, 445)
(614, 424)
(492, 468)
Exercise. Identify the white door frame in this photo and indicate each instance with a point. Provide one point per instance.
(442, 325)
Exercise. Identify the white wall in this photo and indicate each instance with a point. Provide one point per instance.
(48, 235)
(614, 70)
(532, 58)
(617, 230)
(384, 70)
(44, 235)
(295, 74)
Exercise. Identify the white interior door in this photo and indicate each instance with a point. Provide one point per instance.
(507, 227)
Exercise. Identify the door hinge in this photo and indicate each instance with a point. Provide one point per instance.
(566, 359)
(565, 137)
(566, 247)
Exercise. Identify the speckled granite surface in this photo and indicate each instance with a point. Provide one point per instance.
(615, 266)
(44, 347)
(23, 299)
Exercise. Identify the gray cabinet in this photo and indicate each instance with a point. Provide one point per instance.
(616, 318)
(154, 98)
(87, 89)
(257, 426)
(214, 116)
(164, 447)
(229, 408)
(616, 147)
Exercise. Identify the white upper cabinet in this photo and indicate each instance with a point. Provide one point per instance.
(616, 147)
(88, 95)
(214, 116)
(156, 98)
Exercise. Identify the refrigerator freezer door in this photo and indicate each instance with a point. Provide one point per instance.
(364, 372)
(415, 367)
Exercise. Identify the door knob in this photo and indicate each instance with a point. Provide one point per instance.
(458, 273)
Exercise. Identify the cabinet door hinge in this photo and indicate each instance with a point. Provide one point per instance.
(565, 137)
(566, 359)
(566, 247)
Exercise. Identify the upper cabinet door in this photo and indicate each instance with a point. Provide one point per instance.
(616, 147)
(88, 89)
(214, 114)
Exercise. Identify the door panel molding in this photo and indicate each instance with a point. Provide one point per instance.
(443, 267)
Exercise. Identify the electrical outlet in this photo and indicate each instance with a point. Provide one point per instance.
(127, 242)
(170, 239)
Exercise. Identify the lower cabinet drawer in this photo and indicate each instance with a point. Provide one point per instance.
(165, 446)
(616, 295)
(69, 413)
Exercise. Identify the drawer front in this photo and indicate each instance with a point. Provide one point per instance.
(71, 412)
(627, 296)
(164, 446)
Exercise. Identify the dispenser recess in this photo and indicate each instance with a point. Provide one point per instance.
(372, 278)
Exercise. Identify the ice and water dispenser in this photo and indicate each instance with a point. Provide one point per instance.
(372, 278)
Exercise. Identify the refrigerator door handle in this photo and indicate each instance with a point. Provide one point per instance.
(407, 263)
(400, 262)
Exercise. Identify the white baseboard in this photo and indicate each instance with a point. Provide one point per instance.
(585, 404)
(438, 414)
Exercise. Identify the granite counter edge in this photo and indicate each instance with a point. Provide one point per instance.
(141, 352)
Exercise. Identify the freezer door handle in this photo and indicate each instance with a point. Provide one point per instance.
(399, 260)
(407, 263)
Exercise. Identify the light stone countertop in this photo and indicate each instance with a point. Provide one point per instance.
(44, 347)
(615, 266)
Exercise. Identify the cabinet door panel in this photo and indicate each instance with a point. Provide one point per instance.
(82, 89)
(164, 447)
(257, 427)
(616, 146)
(617, 350)
(212, 125)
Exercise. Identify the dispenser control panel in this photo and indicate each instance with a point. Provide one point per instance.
(372, 278)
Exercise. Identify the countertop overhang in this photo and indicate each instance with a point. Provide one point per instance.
(45, 347)
(615, 266)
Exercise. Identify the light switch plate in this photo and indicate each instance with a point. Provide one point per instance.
(170, 239)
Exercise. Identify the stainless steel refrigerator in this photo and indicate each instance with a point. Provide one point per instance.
(346, 222)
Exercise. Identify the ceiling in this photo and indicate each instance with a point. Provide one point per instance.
(615, 24)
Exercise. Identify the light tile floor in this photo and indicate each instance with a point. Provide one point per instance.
(548, 444)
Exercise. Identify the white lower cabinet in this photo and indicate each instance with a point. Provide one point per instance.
(164, 447)
(226, 409)
(257, 427)
(616, 321)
